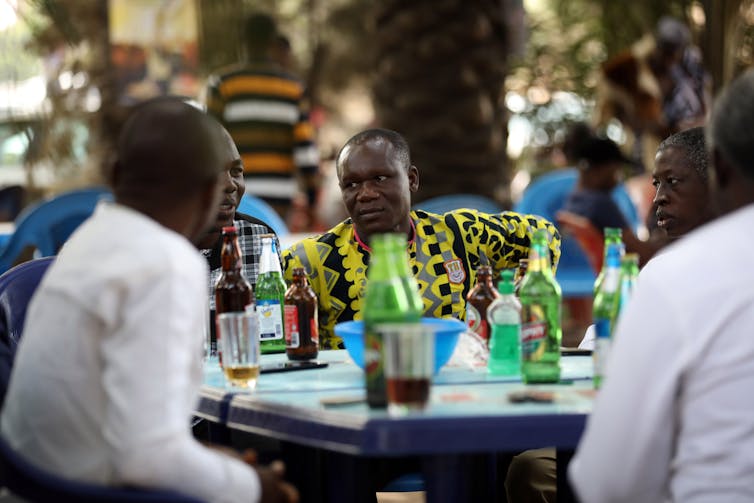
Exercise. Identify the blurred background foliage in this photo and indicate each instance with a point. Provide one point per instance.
(452, 75)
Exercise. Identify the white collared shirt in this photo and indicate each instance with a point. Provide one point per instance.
(108, 371)
(674, 420)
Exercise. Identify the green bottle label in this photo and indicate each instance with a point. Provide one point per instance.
(270, 320)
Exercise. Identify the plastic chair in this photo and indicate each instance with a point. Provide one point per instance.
(545, 196)
(443, 204)
(588, 236)
(48, 224)
(258, 208)
(16, 288)
(35, 485)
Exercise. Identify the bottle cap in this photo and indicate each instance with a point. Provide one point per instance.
(228, 229)
(613, 232)
(505, 285)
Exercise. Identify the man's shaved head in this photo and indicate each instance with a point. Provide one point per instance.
(167, 147)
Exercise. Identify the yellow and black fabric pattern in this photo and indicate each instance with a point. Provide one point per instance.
(443, 255)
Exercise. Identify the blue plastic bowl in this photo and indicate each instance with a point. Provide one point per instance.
(447, 331)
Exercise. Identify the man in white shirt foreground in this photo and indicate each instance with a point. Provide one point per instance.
(674, 420)
(108, 371)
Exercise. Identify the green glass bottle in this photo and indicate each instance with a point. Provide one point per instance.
(270, 296)
(613, 237)
(391, 296)
(605, 311)
(541, 305)
(629, 272)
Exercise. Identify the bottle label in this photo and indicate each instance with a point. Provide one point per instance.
(602, 328)
(270, 320)
(599, 356)
(292, 339)
(314, 329)
(533, 340)
(476, 322)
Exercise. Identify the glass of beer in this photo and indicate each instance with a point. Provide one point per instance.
(239, 340)
(409, 364)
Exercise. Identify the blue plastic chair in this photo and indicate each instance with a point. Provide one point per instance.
(35, 485)
(258, 208)
(443, 204)
(544, 197)
(48, 224)
(16, 288)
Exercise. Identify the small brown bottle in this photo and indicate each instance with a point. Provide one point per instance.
(478, 300)
(301, 320)
(232, 292)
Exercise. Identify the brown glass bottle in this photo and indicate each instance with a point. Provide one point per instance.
(232, 292)
(301, 320)
(478, 300)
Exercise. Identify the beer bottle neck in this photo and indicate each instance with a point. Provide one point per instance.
(270, 261)
(230, 255)
(539, 258)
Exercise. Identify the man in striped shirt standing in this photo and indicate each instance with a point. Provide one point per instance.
(262, 107)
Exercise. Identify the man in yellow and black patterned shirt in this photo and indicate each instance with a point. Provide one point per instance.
(376, 179)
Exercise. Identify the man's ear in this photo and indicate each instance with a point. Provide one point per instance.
(413, 178)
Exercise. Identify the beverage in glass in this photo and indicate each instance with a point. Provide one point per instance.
(240, 346)
(409, 362)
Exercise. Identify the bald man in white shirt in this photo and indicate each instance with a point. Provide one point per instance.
(108, 371)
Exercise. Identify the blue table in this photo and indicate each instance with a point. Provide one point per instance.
(469, 416)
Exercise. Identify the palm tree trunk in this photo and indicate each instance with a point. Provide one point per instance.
(440, 70)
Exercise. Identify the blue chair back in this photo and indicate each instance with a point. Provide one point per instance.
(443, 204)
(48, 224)
(258, 208)
(35, 485)
(545, 196)
(16, 288)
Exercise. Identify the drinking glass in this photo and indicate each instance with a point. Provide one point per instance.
(238, 335)
(409, 364)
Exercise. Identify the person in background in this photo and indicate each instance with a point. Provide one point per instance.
(656, 88)
(109, 368)
(672, 421)
(376, 180)
(600, 171)
(262, 107)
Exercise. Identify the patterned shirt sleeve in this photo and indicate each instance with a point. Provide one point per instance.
(505, 238)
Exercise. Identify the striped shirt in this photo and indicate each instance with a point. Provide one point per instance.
(262, 108)
(443, 255)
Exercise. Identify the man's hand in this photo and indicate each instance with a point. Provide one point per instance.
(274, 488)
